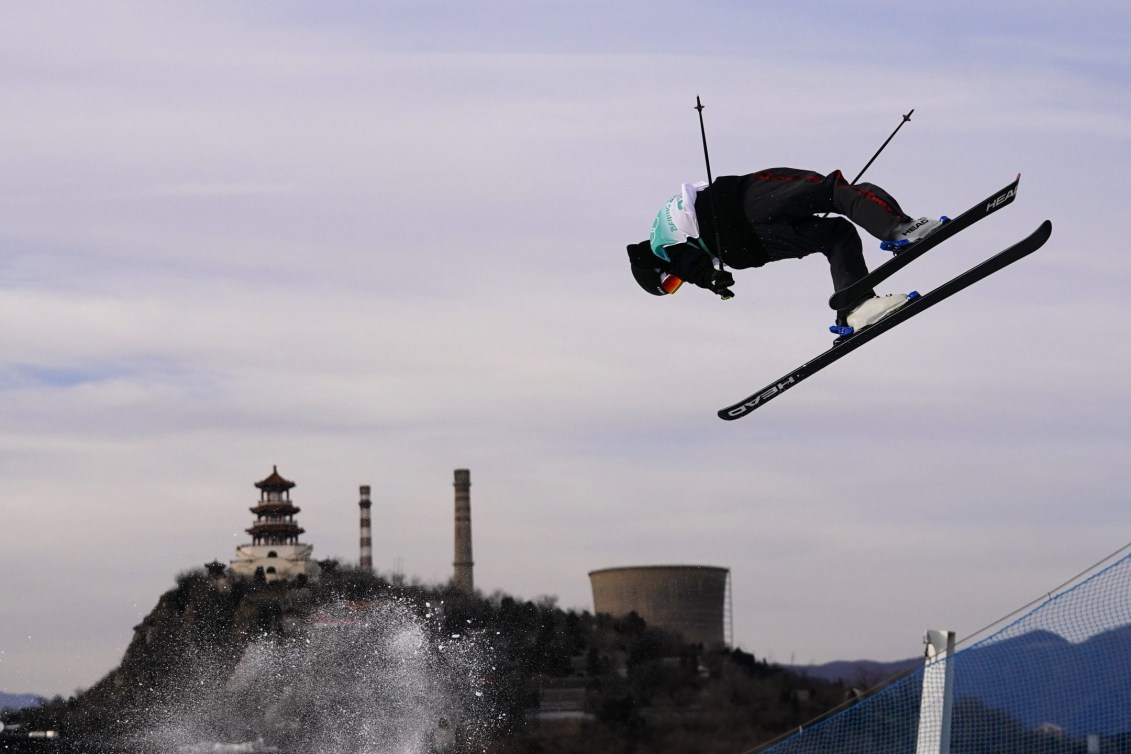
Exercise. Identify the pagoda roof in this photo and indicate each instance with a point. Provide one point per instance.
(275, 481)
(284, 506)
(275, 530)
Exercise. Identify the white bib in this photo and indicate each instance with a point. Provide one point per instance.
(676, 221)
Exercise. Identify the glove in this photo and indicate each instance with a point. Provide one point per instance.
(721, 281)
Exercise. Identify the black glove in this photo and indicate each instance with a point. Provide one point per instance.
(721, 281)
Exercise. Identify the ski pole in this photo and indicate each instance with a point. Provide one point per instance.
(703, 133)
(710, 180)
(877, 154)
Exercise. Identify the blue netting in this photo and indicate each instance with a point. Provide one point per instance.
(1057, 680)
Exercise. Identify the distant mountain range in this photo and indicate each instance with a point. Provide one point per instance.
(861, 674)
(1038, 677)
(19, 701)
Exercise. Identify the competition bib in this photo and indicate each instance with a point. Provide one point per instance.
(676, 221)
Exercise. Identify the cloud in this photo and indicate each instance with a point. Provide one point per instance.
(371, 246)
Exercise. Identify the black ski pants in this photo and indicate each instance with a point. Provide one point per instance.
(783, 207)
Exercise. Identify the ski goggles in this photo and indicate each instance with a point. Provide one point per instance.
(670, 283)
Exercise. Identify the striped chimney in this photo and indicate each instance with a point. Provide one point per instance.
(366, 559)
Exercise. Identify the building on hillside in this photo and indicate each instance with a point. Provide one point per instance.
(691, 600)
(274, 553)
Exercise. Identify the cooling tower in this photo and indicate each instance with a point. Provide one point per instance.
(687, 599)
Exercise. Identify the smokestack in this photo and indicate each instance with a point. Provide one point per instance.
(462, 578)
(366, 559)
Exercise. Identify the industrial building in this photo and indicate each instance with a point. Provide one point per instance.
(691, 600)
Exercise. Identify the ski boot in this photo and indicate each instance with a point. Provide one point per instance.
(909, 232)
(869, 312)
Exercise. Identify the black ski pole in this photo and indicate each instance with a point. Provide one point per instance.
(703, 133)
(710, 180)
(877, 154)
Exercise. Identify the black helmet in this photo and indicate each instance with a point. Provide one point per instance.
(648, 278)
(647, 275)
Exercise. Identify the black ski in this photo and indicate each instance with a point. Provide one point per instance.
(844, 346)
(847, 296)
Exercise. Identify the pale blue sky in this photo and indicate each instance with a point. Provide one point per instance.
(372, 243)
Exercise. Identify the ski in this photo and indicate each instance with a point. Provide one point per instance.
(850, 343)
(846, 296)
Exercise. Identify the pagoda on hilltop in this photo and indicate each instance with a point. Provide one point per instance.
(275, 553)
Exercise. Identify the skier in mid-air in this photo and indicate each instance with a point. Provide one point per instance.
(749, 220)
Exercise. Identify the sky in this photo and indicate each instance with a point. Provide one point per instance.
(371, 243)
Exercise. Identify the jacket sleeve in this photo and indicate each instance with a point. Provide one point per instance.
(691, 264)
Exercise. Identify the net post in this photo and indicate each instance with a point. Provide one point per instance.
(937, 702)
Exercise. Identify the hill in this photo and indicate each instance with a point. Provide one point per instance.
(353, 663)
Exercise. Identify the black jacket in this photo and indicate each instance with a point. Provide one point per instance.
(723, 228)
